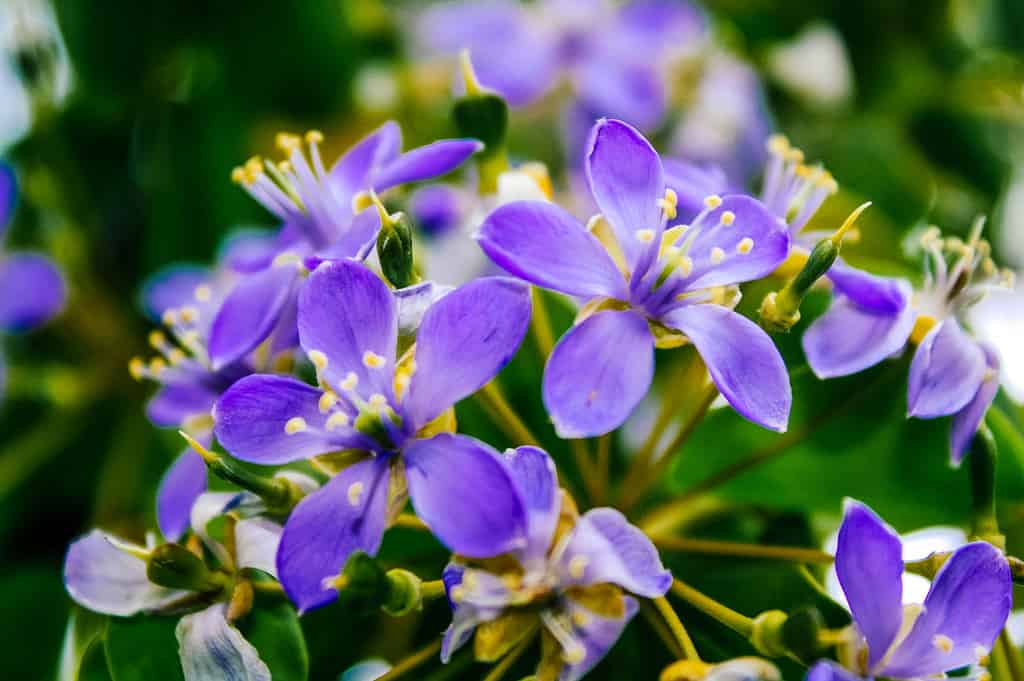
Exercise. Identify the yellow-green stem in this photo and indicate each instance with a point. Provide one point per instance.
(741, 624)
(586, 468)
(412, 661)
(793, 554)
(505, 417)
(432, 589)
(650, 614)
(1013, 656)
(408, 520)
(675, 625)
(540, 324)
(604, 451)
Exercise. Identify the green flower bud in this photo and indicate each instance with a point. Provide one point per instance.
(800, 632)
(404, 593)
(364, 579)
(175, 567)
(394, 248)
(767, 636)
(480, 113)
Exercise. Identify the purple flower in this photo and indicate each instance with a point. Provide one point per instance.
(645, 286)
(109, 576)
(963, 613)
(572, 572)
(613, 56)
(872, 318)
(386, 408)
(326, 215)
(32, 290)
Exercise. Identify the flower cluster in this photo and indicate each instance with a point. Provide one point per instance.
(323, 360)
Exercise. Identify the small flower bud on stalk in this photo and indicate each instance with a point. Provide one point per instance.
(175, 567)
(404, 593)
(483, 115)
(768, 634)
(800, 632)
(780, 310)
(279, 494)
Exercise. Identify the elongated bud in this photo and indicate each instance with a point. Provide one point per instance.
(480, 113)
(982, 462)
(279, 494)
(767, 636)
(800, 632)
(780, 311)
(395, 251)
(175, 567)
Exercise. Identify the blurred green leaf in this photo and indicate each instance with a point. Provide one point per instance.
(85, 629)
(143, 648)
(275, 632)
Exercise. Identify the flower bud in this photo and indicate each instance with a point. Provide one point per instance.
(480, 113)
(800, 632)
(175, 567)
(395, 251)
(364, 579)
(404, 593)
(767, 636)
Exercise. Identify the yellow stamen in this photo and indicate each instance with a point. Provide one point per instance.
(355, 493)
(350, 382)
(327, 402)
(713, 201)
(203, 293)
(745, 245)
(295, 424)
(717, 255)
(137, 368)
(337, 420)
(372, 360)
(578, 566)
(645, 235)
(318, 359)
(727, 218)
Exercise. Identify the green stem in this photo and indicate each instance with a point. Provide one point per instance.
(741, 624)
(675, 625)
(412, 661)
(586, 468)
(982, 461)
(1013, 656)
(432, 589)
(604, 450)
(650, 614)
(540, 324)
(505, 417)
(726, 548)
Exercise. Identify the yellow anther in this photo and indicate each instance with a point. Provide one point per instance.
(794, 155)
(287, 142)
(717, 256)
(848, 223)
(512, 582)
(457, 593)
(745, 245)
(471, 581)
(378, 401)
(295, 424)
(285, 166)
(575, 654)
(239, 176)
(402, 381)
(314, 137)
(669, 204)
(253, 169)
(727, 218)
(778, 144)
(988, 267)
(169, 317)
(645, 235)
(372, 360)
(176, 356)
(805, 171)
(318, 359)
(361, 201)
(981, 652)
(157, 339)
(327, 402)
(350, 381)
(713, 201)
(580, 618)
(203, 293)
(157, 365)
(578, 566)
(189, 338)
(137, 368)
(286, 259)
(198, 447)
(355, 493)
(189, 314)
(943, 643)
(338, 419)
(685, 265)
(828, 182)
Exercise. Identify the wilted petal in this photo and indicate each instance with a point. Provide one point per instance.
(752, 246)
(211, 649)
(250, 313)
(347, 514)
(964, 611)
(742, 360)
(945, 373)
(462, 490)
(172, 286)
(181, 485)
(32, 289)
(827, 670)
(105, 579)
(346, 312)
(172, 405)
(254, 421)
(256, 542)
(597, 636)
(884, 295)
(465, 339)
(605, 547)
(967, 420)
(425, 162)
(869, 563)
(626, 180)
(533, 472)
(597, 373)
(849, 338)
(545, 245)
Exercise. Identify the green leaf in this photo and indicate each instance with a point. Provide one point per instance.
(275, 632)
(143, 648)
(85, 628)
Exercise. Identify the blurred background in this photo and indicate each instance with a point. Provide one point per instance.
(124, 118)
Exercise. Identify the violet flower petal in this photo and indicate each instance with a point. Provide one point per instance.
(32, 291)
(436, 208)
(965, 609)
(605, 547)
(8, 196)
(533, 472)
(212, 649)
(352, 172)
(869, 563)
(103, 578)
(423, 163)
(462, 490)
(626, 180)
(347, 313)
(465, 339)
(347, 514)
(172, 286)
(597, 636)
(357, 239)
(884, 295)
(545, 245)
(173, 404)
(945, 373)
(250, 313)
(250, 250)
(848, 338)
(181, 485)
(251, 421)
(597, 373)
(742, 360)
(414, 301)
(692, 183)
(623, 88)
(967, 420)
(827, 670)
